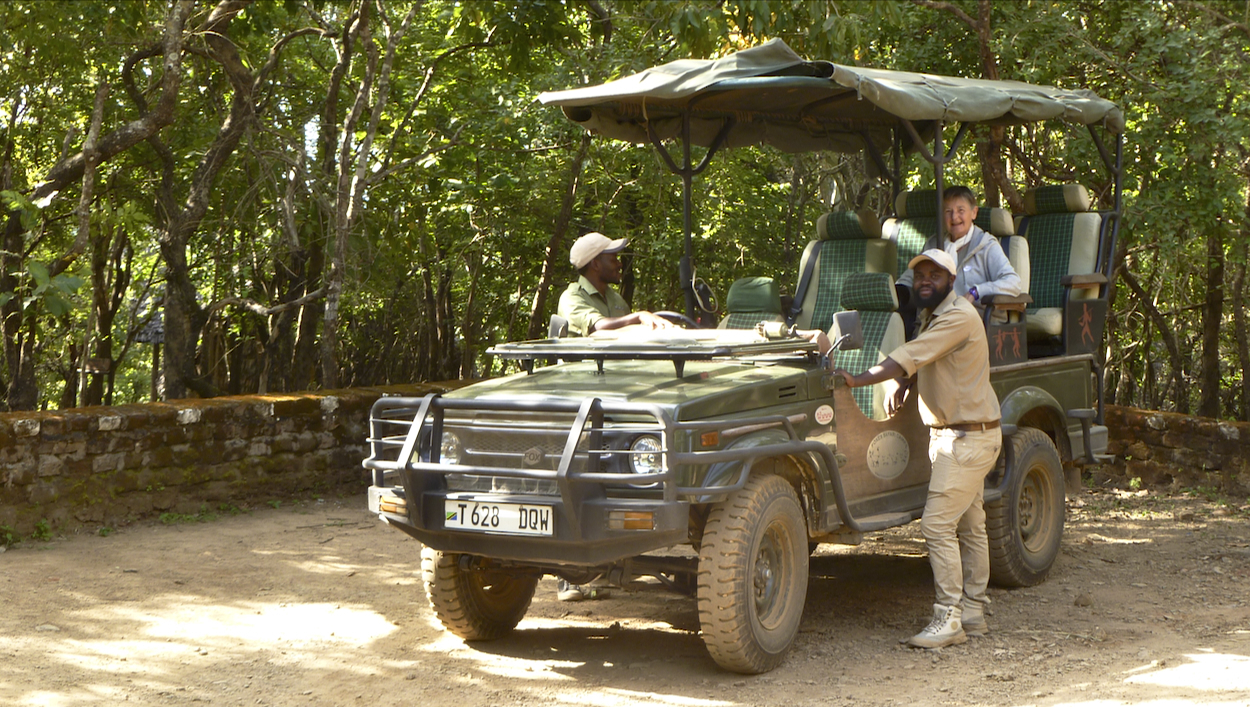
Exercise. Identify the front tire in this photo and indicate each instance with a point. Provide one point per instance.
(1025, 526)
(476, 604)
(753, 575)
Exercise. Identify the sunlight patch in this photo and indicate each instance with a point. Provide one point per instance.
(1207, 671)
(617, 697)
(186, 619)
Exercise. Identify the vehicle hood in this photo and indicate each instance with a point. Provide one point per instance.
(732, 385)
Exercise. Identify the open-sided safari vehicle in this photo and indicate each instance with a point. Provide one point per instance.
(741, 445)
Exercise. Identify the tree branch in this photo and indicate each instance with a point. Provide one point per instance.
(91, 159)
(275, 53)
(251, 305)
(70, 170)
(948, 7)
(425, 85)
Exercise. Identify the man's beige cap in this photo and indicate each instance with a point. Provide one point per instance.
(589, 246)
(941, 257)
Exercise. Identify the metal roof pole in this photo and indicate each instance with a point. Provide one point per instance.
(685, 268)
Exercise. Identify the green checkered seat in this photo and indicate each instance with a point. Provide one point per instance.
(917, 220)
(847, 243)
(1069, 294)
(752, 300)
(872, 295)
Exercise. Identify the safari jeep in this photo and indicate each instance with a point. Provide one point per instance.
(737, 442)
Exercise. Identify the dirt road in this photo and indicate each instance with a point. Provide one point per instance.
(318, 604)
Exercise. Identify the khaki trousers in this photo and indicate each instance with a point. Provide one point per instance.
(953, 524)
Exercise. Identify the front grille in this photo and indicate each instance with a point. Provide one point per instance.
(528, 440)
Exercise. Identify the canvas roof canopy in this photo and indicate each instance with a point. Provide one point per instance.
(775, 97)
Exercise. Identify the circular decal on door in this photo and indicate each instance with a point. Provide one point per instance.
(824, 415)
(888, 455)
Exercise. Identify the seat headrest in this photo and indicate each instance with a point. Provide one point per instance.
(848, 226)
(1056, 199)
(995, 221)
(916, 204)
(870, 292)
(754, 294)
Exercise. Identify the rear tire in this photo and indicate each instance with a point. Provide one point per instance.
(1025, 526)
(753, 575)
(476, 605)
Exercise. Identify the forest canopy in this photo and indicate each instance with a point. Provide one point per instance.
(224, 197)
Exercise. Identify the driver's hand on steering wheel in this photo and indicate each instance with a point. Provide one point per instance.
(651, 321)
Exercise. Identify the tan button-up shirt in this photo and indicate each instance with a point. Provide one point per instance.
(953, 358)
(582, 305)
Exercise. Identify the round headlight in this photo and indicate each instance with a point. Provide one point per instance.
(644, 455)
(450, 452)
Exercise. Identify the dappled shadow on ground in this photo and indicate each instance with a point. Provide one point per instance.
(322, 606)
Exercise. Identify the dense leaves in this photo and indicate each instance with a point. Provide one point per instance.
(310, 193)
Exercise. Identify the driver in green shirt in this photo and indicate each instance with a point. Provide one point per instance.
(589, 304)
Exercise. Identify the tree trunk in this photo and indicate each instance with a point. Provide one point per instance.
(1212, 315)
(468, 332)
(1166, 332)
(93, 392)
(353, 176)
(1239, 317)
(306, 358)
(556, 248)
(184, 316)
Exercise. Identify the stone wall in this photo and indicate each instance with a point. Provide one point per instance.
(104, 466)
(1166, 449)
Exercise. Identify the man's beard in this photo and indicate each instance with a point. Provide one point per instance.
(932, 300)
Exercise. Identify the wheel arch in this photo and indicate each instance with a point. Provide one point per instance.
(798, 472)
(1030, 406)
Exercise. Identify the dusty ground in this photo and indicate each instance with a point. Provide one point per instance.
(321, 605)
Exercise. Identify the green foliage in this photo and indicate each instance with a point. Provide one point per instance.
(8, 536)
(467, 175)
(43, 530)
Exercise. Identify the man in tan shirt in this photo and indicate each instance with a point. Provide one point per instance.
(949, 359)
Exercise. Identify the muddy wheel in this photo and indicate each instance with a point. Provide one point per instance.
(753, 575)
(1025, 526)
(476, 605)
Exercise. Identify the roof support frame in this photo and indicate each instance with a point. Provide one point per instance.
(938, 157)
(687, 172)
(1106, 256)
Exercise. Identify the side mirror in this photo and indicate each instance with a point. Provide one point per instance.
(559, 327)
(852, 331)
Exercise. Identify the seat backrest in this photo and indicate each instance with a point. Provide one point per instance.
(752, 300)
(872, 295)
(1017, 250)
(915, 221)
(1063, 237)
(850, 243)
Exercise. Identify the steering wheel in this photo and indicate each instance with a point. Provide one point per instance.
(678, 318)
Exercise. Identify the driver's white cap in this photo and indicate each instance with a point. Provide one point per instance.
(591, 245)
(940, 257)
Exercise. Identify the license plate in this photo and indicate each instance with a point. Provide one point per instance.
(501, 518)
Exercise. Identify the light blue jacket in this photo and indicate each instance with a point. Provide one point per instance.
(982, 264)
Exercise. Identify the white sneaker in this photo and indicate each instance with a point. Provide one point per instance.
(973, 619)
(945, 629)
(577, 592)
